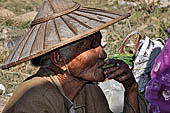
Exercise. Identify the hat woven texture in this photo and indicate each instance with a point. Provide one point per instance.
(58, 23)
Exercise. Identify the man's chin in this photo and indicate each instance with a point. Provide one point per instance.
(101, 78)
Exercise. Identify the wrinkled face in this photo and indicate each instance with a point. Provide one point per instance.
(87, 57)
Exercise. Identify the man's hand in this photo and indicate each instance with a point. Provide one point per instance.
(120, 72)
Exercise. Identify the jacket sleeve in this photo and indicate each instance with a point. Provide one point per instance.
(142, 105)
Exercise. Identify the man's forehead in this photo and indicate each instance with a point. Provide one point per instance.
(80, 45)
(88, 39)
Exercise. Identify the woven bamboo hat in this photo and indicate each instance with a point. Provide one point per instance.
(59, 23)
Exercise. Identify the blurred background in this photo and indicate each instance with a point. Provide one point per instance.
(149, 17)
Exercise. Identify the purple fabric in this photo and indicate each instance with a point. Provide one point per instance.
(169, 30)
(162, 62)
(158, 88)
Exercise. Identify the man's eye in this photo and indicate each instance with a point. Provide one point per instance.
(94, 45)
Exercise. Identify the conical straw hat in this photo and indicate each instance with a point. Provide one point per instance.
(59, 23)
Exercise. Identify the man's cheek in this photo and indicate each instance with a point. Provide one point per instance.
(90, 62)
(91, 58)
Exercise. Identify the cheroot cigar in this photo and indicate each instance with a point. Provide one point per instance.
(108, 66)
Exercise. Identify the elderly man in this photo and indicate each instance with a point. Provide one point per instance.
(71, 62)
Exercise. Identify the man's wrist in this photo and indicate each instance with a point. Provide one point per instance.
(131, 93)
(129, 83)
(132, 88)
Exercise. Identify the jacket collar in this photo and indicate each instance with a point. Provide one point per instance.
(79, 101)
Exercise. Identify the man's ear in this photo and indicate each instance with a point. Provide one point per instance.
(56, 58)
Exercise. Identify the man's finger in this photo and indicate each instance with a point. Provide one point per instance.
(116, 74)
(110, 70)
(124, 77)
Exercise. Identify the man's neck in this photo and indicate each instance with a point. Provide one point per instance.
(71, 85)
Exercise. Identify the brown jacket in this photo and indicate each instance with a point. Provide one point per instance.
(43, 94)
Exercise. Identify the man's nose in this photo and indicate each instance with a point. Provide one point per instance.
(102, 53)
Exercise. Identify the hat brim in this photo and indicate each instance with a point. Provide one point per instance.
(57, 32)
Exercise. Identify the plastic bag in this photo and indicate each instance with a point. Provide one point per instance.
(114, 92)
(127, 58)
(146, 53)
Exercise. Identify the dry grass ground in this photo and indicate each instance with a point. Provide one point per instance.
(3, 99)
(150, 20)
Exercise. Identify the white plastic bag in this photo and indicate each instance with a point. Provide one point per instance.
(146, 53)
(114, 92)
